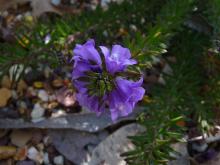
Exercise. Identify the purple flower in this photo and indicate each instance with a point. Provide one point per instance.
(97, 84)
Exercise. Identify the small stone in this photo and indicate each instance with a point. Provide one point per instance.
(44, 105)
(5, 95)
(31, 92)
(22, 86)
(52, 105)
(20, 138)
(91, 148)
(47, 140)
(56, 2)
(58, 113)
(42, 94)
(37, 137)
(40, 146)
(52, 98)
(7, 152)
(57, 83)
(167, 69)
(47, 72)
(133, 27)
(21, 154)
(46, 158)
(6, 82)
(66, 97)
(27, 70)
(58, 160)
(35, 155)
(38, 84)
(14, 94)
(37, 113)
(161, 80)
(22, 105)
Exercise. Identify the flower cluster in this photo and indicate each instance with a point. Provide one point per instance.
(96, 78)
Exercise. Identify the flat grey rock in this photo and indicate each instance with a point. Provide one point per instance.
(88, 122)
(108, 151)
(73, 144)
(183, 158)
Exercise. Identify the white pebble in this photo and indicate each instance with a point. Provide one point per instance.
(14, 94)
(58, 160)
(35, 155)
(55, 2)
(37, 113)
(42, 94)
(46, 158)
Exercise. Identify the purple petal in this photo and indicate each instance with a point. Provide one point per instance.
(92, 103)
(118, 59)
(123, 99)
(87, 52)
(79, 69)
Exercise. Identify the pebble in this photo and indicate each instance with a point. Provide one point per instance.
(57, 83)
(37, 137)
(14, 94)
(58, 160)
(22, 105)
(7, 152)
(47, 140)
(66, 97)
(20, 138)
(5, 95)
(21, 154)
(46, 158)
(56, 2)
(42, 94)
(37, 113)
(38, 84)
(6, 82)
(35, 155)
(31, 92)
(47, 72)
(22, 86)
(58, 113)
(52, 105)
(52, 98)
